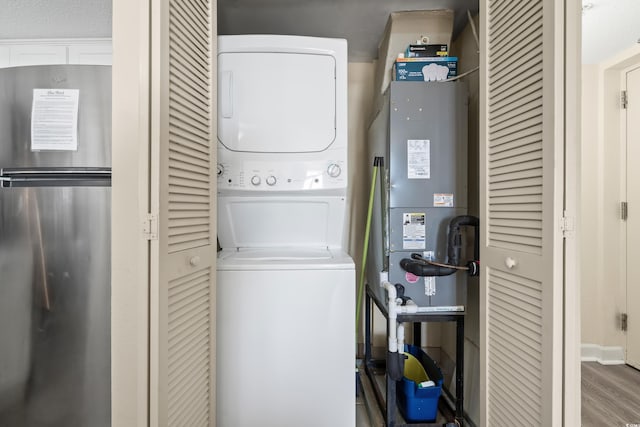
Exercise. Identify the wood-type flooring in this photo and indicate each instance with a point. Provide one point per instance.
(610, 395)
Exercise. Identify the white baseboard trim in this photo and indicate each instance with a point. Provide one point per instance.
(601, 354)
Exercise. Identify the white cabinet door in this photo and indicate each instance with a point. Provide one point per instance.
(17, 53)
(93, 54)
(5, 56)
(37, 54)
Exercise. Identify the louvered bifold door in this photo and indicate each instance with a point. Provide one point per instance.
(182, 344)
(521, 149)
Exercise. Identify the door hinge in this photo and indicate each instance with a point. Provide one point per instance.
(150, 227)
(624, 210)
(624, 99)
(567, 225)
(623, 321)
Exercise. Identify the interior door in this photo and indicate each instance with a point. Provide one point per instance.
(183, 142)
(521, 158)
(633, 220)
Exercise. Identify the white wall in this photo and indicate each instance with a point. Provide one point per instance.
(360, 104)
(591, 218)
(603, 256)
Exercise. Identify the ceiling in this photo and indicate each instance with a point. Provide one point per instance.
(609, 26)
(34, 19)
(361, 22)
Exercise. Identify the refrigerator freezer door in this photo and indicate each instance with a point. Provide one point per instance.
(94, 115)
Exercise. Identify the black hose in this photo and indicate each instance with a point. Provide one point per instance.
(454, 242)
(395, 364)
(454, 249)
(421, 269)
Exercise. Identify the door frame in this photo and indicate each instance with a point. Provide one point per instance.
(571, 395)
(612, 132)
(604, 145)
(624, 142)
(131, 143)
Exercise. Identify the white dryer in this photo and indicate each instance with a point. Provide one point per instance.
(286, 287)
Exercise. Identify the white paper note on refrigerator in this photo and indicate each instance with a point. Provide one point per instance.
(54, 119)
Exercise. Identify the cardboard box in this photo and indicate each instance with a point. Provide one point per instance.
(426, 69)
(426, 50)
(404, 28)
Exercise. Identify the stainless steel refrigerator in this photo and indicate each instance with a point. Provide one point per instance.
(55, 178)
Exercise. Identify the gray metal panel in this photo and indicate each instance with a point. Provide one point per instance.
(418, 110)
(378, 146)
(450, 289)
(436, 222)
(437, 112)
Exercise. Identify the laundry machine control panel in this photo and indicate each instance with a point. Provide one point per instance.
(282, 176)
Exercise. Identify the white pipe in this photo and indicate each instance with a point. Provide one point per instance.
(393, 315)
(409, 307)
(395, 307)
(400, 337)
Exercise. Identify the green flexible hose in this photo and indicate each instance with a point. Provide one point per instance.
(376, 165)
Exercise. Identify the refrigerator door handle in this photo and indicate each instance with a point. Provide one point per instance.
(55, 177)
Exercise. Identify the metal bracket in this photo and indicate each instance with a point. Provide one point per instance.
(150, 227)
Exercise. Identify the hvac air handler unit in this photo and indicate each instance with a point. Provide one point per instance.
(420, 206)
(418, 257)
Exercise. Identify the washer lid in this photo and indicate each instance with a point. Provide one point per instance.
(276, 102)
(282, 254)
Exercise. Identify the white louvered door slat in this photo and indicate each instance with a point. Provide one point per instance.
(182, 338)
(522, 108)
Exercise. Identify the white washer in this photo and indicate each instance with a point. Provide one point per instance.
(286, 288)
(286, 330)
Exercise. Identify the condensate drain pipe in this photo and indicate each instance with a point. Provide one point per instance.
(395, 358)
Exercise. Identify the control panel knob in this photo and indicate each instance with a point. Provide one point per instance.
(255, 180)
(220, 169)
(271, 180)
(334, 170)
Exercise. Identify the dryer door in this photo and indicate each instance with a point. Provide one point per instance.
(276, 102)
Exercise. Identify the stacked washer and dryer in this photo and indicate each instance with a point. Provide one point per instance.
(286, 286)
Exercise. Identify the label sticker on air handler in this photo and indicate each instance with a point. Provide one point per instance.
(429, 281)
(442, 200)
(418, 159)
(413, 230)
